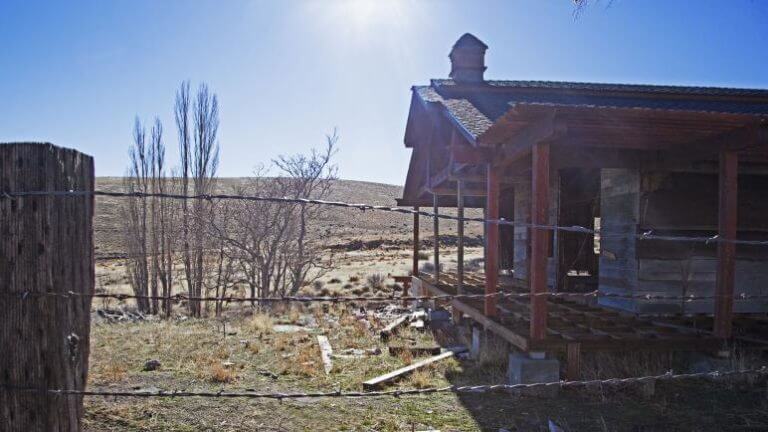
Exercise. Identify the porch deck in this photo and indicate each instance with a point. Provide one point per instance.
(575, 325)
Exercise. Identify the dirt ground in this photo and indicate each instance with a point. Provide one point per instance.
(277, 351)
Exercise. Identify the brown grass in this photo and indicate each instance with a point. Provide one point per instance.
(220, 374)
(261, 323)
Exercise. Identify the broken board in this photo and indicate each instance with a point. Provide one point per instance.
(390, 329)
(416, 350)
(326, 353)
(374, 383)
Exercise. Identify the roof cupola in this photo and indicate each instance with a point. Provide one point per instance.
(468, 60)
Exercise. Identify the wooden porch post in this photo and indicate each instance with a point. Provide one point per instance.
(726, 251)
(491, 241)
(539, 239)
(460, 233)
(436, 232)
(415, 270)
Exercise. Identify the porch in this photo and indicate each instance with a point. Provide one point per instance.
(577, 324)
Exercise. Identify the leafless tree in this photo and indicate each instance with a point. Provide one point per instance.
(310, 177)
(135, 228)
(223, 268)
(181, 114)
(162, 211)
(199, 153)
(276, 249)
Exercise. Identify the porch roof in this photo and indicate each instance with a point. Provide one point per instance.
(506, 117)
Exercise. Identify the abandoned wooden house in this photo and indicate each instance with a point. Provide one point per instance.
(636, 163)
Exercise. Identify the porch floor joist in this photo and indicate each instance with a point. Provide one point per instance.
(570, 322)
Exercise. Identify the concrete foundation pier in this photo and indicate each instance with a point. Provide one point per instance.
(534, 367)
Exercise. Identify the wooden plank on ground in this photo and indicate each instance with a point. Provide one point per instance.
(326, 353)
(387, 331)
(399, 373)
(417, 350)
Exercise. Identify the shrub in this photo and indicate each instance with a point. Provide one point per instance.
(422, 256)
(334, 281)
(260, 323)
(375, 280)
(219, 373)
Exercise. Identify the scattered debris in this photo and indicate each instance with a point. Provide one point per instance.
(392, 327)
(554, 427)
(326, 352)
(416, 350)
(387, 331)
(357, 353)
(266, 373)
(152, 365)
(113, 315)
(399, 373)
(418, 324)
(287, 328)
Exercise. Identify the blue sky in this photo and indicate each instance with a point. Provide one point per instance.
(76, 73)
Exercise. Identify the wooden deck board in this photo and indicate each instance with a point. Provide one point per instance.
(593, 327)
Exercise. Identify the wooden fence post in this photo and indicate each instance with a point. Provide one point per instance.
(46, 245)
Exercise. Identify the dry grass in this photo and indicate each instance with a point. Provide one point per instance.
(375, 281)
(220, 374)
(261, 323)
(112, 373)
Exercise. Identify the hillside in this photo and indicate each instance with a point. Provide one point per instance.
(345, 225)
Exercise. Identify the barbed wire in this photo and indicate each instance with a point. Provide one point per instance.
(370, 299)
(647, 235)
(254, 394)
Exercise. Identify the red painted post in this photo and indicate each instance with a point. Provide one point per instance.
(491, 241)
(539, 239)
(726, 251)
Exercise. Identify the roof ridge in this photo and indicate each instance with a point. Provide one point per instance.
(640, 88)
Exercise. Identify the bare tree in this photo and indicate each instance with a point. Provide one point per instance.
(181, 114)
(310, 177)
(135, 228)
(277, 250)
(162, 211)
(199, 153)
(224, 259)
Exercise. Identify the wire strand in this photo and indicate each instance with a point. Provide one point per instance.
(647, 235)
(254, 394)
(348, 299)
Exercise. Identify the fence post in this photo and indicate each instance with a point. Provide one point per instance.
(46, 245)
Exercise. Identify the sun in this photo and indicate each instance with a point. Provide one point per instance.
(362, 16)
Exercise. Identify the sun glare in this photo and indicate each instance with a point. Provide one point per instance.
(361, 16)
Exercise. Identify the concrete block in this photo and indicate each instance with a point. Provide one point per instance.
(439, 315)
(523, 369)
(474, 348)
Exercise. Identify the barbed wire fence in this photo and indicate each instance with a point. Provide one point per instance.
(255, 394)
(647, 235)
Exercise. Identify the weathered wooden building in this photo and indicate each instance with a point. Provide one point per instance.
(640, 164)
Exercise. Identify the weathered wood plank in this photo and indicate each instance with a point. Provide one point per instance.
(539, 239)
(326, 353)
(374, 383)
(492, 241)
(726, 252)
